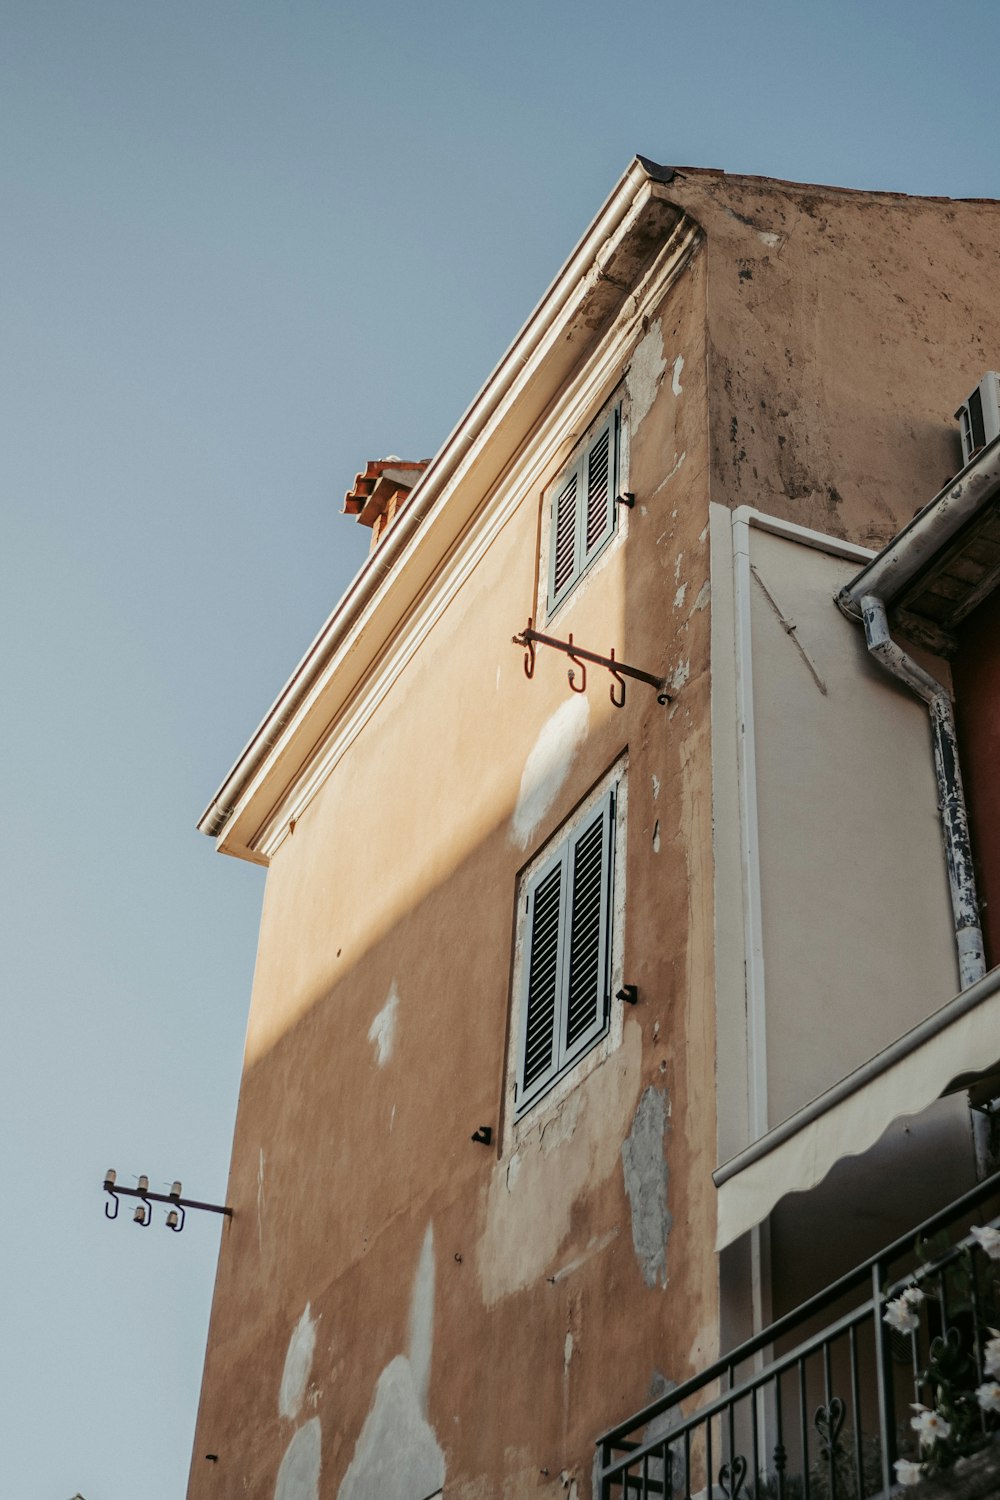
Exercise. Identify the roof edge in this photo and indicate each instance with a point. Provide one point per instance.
(580, 272)
(901, 559)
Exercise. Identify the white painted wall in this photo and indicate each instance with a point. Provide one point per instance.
(834, 929)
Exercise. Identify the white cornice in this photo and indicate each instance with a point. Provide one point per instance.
(566, 352)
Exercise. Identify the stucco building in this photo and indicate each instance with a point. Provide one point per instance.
(582, 1038)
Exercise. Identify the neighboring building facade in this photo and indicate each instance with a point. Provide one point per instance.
(551, 972)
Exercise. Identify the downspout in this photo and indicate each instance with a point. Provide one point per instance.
(954, 815)
(955, 823)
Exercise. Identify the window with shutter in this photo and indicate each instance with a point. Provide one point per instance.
(565, 977)
(584, 514)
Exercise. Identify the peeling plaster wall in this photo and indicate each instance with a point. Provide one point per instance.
(364, 1122)
(806, 361)
(844, 330)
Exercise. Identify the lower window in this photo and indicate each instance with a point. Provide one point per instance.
(566, 952)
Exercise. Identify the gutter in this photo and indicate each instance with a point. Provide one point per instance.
(931, 528)
(866, 599)
(584, 262)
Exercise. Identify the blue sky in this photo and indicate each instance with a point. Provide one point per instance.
(244, 248)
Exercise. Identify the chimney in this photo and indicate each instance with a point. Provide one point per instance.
(381, 491)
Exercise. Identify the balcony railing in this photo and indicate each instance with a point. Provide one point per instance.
(884, 1377)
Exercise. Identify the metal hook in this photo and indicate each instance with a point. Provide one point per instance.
(114, 1197)
(529, 650)
(572, 675)
(618, 702)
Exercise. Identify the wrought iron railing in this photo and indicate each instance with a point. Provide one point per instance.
(885, 1376)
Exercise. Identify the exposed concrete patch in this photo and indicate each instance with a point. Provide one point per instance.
(525, 1229)
(656, 837)
(660, 1427)
(704, 594)
(656, 788)
(769, 238)
(680, 675)
(397, 1455)
(679, 596)
(547, 766)
(298, 1476)
(645, 1168)
(298, 1363)
(645, 373)
(382, 1031)
(675, 382)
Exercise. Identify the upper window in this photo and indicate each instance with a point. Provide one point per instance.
(584, 513)
(566, 953)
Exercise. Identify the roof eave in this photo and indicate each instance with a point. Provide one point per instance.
(900, 560)
(634, 223)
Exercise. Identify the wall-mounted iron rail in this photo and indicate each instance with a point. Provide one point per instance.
(176, 1212)
(529, 638)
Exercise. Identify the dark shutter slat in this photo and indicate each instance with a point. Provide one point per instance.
(585, 989)
(543, 978)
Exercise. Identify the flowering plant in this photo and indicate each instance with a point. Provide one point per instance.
(961, 1414)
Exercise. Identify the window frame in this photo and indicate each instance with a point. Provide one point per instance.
(587, 543)
(605, 806)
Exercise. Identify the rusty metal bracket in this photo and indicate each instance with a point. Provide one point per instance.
(529, 638)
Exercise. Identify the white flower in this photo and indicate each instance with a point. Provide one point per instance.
(991, 1354)
(907, 1472)
(988, 1396)
(929, 1426)
(901, 1313)
(987, 1239)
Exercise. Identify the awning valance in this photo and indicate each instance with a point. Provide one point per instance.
(956, 1047)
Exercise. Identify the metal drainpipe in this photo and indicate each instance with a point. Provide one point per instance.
(955, 821)
(954, 816)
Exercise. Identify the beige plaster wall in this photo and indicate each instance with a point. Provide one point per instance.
(454, 1305)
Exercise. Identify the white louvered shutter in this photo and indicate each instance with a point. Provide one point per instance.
(564, 992)
(583, 510)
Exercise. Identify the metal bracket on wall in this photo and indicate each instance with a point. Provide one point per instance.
(530, 638)
(176, 1213)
